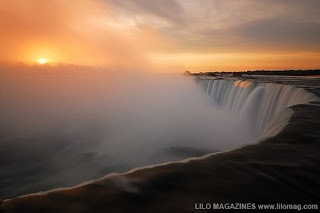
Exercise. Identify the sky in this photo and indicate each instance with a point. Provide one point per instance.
(164, 35)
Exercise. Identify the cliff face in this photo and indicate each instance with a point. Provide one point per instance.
(281, 169)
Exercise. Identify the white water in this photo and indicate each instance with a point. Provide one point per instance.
(260, 103)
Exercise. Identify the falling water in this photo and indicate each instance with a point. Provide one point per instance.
(259, 103)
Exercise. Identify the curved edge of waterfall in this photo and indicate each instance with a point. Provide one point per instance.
(264, 104)
(260, 163)
(277, 123)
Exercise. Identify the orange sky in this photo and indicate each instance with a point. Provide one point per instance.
(167, 35)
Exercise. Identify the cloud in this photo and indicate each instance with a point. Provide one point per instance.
(128, 33)
(73, 31)
(281, 33)
(169, 10)
(204, 25)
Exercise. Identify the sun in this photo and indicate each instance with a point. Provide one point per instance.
(42, 61)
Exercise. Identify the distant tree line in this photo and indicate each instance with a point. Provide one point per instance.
(263, 72)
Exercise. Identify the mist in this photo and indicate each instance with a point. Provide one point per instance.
(97, 106)
(61, 125)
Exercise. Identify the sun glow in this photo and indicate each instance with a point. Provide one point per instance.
(42, 61)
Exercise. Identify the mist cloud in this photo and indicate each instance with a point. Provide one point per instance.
(71, 124)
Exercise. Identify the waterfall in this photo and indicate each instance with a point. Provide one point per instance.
(260, 103)
(54, 139)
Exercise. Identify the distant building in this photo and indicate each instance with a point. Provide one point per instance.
(187, 72)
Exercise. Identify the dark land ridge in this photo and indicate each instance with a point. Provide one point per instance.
(309, 72)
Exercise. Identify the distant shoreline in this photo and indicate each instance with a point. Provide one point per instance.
(309, 72)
